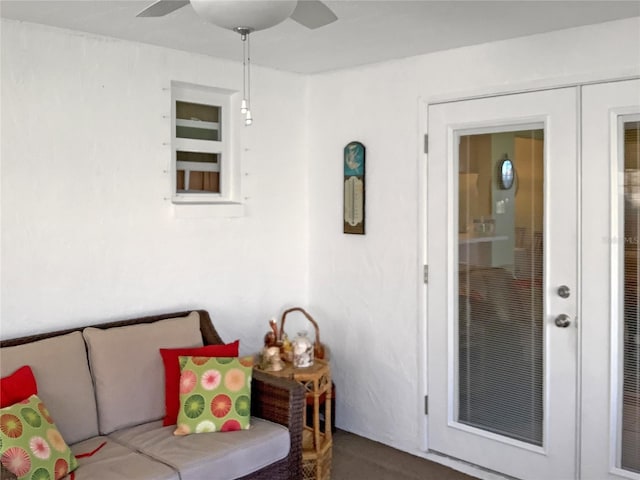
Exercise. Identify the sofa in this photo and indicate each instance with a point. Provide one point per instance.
(103, 386)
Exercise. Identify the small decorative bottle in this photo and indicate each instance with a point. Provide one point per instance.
(287, 348)
(302, 351)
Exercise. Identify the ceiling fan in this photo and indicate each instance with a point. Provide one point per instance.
(249, 15)
(245, 17)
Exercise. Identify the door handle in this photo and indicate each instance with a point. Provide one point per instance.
(563, 320)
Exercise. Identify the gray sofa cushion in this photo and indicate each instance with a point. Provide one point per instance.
(211, 456)
(117, 462)
(64, 382)
(128, 370)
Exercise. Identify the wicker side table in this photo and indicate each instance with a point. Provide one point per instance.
(316, 442)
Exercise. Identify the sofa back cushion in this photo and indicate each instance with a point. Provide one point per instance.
(127, 368)
(60, 367)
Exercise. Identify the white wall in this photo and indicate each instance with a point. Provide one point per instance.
(88, 234)
(367, 290)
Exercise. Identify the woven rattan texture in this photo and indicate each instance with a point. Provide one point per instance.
(318, 468)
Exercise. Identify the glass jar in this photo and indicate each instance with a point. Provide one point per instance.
(302, 351)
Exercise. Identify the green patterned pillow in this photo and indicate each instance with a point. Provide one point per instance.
(215, 394)
(31, 446)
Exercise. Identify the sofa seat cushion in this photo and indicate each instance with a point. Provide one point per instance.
(214, 456)
(114, 461)
(61, 370)
(128, 371)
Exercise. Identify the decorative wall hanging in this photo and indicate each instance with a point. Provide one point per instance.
(506, 173)
(354, 188)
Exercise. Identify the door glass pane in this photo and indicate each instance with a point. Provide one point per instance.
(500, 277)
(630, 441)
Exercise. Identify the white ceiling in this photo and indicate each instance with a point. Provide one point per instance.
(366, 31)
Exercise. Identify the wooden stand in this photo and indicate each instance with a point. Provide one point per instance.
(316, 442)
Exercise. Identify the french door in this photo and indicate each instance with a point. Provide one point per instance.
(610, 415)
(502, 360)
(533, 213)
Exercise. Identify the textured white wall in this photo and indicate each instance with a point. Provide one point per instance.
(87, 232)
(367, 290)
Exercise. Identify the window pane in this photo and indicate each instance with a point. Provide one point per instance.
(500, 273)
(631, 336)
(197, 172)
(197, 121)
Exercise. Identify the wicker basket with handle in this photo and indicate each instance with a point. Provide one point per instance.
(318, 348)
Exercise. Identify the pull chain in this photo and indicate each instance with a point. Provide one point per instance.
(248, 118)
(243, 104)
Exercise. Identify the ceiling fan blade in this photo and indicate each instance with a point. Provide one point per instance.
(313, 14)
(162, 8)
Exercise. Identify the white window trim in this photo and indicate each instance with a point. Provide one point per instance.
(227, 148)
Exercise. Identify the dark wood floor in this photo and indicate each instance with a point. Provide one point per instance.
(357, 458)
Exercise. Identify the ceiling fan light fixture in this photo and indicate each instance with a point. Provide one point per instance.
(245, 17)
(253, 15)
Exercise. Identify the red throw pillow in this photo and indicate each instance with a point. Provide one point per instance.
(17, 387)
(172, 372)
